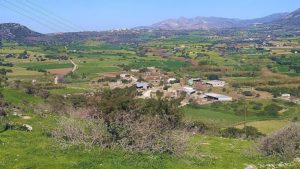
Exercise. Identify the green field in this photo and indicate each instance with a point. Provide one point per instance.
(222, 117)
(162, 64)
(45, 66)
(17, 97)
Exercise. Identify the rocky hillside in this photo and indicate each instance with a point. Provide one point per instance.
(17, 32)
(291, 20)
(213, 22)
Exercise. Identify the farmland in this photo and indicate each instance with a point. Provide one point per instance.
(254, 78)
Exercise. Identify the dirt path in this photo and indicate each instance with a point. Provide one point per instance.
(74, 67)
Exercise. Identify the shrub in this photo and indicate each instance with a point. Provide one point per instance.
(147, 134)
(271, 110)
(57, 103)
(284, 143)
(295, 119)
(117, 119)
(248, 93)
(231, 132)
(81, 132)
(2, 112)
(213, 77)
(197, 126)
(257, 106)
(247, 132)
(252, 132)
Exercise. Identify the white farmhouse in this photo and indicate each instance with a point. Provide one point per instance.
(216, 83)
(125, 75)
(217, 97)
(286, 95)
(189, 90)
(171, 80)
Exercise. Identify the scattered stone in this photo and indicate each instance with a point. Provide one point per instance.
(15, 114)
(281, 164)
(270, 166)
(27, 127)
(251, 167)
(297, 160)
(26, 117)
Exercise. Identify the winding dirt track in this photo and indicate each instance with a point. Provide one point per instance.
(74, 67)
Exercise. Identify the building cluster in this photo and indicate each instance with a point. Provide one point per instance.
(288, 97)
(155, 83)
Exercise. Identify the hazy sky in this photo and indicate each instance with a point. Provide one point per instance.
(73, 15)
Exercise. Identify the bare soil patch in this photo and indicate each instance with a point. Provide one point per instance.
(63, 71)
(26, 117)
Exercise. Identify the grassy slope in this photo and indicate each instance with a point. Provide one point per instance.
(36, 150)
(17, 97)
(22, 74)
(19, 149)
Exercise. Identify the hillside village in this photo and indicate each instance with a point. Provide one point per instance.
(151, 82)
(187, 93)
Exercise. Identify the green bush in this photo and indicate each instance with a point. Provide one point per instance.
(248, 93)
(248, 132)
(272, 110)
(213, 77)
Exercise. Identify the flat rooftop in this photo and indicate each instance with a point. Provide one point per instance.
(215, 95)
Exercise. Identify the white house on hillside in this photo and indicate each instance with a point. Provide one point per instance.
(217, 97)
(216, 83)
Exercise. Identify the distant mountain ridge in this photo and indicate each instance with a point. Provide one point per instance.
(291, 20)
(14, 31)
(213, 22)
(20, 33)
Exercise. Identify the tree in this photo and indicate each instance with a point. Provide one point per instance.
(248, 93)
(3, 77)
(213, 77)
(141, 52)
(159, 94)
(24, 55)
(272, 110)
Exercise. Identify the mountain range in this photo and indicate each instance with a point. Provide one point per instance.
(217, 22)
(20, 33)
(292, 19)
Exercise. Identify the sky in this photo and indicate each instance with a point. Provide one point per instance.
(48, 16)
